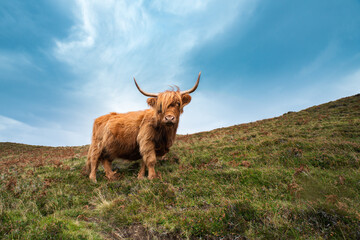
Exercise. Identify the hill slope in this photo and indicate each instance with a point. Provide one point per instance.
(294, 176)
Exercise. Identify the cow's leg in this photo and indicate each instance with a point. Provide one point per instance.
(150, 161)
(109, 173)
(147, 151)
(94, 163)
(94, 166)
(141, 174)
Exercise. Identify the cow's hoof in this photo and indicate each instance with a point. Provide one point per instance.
(93, 179)
(157, 175)
(113, 176)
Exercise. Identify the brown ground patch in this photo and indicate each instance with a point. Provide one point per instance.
(15, 155)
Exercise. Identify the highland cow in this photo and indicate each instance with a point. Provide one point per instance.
(144, 135)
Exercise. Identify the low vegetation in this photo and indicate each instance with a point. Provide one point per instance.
(294, 176)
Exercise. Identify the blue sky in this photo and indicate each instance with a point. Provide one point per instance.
(64, 63)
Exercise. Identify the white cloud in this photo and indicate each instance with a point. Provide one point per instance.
(83, 34)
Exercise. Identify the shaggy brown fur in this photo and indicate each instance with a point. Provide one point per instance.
(146, 134)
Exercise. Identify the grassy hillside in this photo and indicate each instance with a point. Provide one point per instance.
(294, 176)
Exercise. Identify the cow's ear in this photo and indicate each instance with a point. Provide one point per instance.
(186, 99)
(151, 101)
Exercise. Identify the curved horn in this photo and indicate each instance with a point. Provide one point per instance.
(193, 88)
(143, 92)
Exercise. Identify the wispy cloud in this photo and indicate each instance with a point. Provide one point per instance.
(12, 130)
(321, 60)
(350, 83)
(11, 62)
(180, 7)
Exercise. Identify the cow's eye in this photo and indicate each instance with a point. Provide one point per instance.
(175, 104)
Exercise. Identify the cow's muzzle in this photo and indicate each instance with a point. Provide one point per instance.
(169, 120)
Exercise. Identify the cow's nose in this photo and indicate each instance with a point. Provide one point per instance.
(169, 118)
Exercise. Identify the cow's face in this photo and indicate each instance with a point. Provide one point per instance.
(168, 106)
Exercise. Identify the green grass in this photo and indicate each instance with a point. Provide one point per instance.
(296, 176)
